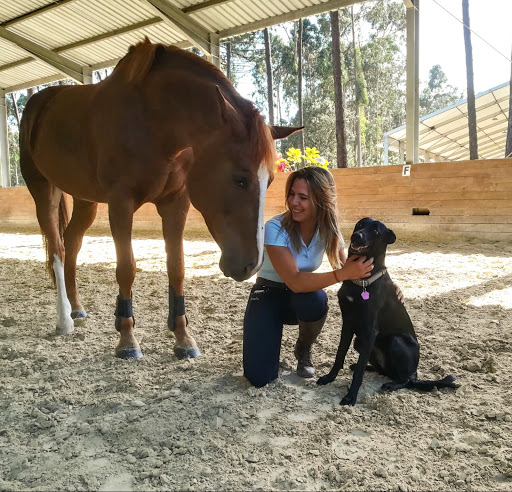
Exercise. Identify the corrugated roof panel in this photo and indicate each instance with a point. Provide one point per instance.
(109, 49)
(13, 9)
(445, 132)
(9, 52)
(19, 74)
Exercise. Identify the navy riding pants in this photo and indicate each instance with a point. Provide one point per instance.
(268, 309)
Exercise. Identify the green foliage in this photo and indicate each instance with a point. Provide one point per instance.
(361, 92)
(438, 93)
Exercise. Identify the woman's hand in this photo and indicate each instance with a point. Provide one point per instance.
(354, 268)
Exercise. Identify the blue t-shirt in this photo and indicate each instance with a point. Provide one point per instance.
(308, 259)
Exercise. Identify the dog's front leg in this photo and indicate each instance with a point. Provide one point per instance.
(346, 339)
(368, 340)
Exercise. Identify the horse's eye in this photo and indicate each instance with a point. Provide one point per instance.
(241, 182)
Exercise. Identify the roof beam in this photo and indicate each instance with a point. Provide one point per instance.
(204, 5)
(196, 33)
(41, 10)
(289, 17)
(62, 64)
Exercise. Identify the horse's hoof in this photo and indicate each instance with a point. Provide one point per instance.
(187, 352)
(129, 353)
(65, 329)
(80, 313)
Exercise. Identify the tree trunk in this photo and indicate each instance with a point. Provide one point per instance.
(357, 108)
(228, 60)
(17, 115)
(339, 97)
(473, 138)
(270, 88)
(508, 144)
(278, 103)
(299, 70)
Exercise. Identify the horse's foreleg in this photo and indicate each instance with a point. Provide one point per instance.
(83, 216)
(120, 213)
(174, 214)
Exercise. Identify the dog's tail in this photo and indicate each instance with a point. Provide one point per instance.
(446, 382)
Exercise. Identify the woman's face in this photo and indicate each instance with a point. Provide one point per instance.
(300, 202)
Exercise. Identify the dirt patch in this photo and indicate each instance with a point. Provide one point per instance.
(76, 418)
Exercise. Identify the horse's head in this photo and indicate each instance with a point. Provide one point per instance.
(227, 183)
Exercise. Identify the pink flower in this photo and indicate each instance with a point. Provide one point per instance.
(282, 166)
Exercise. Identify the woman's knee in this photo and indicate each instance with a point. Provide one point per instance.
(310, 306)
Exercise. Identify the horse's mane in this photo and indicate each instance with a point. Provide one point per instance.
(140, 58)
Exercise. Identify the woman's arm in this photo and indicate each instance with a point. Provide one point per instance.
(286, 267)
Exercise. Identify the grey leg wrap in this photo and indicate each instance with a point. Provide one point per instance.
(176, 308)
(123, 310)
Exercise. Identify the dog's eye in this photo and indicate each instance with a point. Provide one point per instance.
(376, 231)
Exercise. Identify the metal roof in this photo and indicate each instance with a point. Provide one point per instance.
(46, 40)
(444, 134)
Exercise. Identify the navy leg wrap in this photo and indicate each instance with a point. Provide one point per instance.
(176, 308)
(123, 310)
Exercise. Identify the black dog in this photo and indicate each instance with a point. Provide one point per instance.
(372, 312)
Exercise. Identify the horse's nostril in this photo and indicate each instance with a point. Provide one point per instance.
(250, 268)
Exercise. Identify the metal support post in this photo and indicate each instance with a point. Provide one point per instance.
(5, 171)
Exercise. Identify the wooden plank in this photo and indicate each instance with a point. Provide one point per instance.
(429, 219)
(477, 197)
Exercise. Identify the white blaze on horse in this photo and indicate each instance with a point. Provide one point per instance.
(167, 127)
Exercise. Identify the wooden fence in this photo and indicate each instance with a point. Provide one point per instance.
(464, 198)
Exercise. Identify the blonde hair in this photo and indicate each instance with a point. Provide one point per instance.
(322, 189)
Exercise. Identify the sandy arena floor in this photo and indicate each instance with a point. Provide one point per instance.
(75, 418)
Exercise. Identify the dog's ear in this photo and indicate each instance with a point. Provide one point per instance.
(391, 236)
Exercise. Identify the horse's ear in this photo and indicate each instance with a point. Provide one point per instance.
(279, 132)
(227, 111)
(391, 236)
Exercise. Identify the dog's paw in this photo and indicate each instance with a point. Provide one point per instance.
(348, 400)
(388, 386)
(325, 380)
(449, 382)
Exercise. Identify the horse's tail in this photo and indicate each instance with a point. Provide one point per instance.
(446, 382)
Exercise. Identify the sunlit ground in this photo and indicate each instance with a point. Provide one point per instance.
(419, 274)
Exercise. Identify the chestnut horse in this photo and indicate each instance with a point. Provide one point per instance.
(166, 127)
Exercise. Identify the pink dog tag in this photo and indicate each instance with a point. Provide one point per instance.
(365, 295)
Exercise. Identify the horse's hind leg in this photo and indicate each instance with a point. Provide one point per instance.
(120, 213)
(51, 215)
(83, 216)
(174, 214)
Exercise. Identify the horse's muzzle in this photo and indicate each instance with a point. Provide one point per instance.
(236, 271)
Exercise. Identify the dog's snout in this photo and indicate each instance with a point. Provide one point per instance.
(357, 237)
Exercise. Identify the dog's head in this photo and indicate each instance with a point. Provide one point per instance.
(370, 238)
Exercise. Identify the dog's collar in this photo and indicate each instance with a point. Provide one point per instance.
(369, 281)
